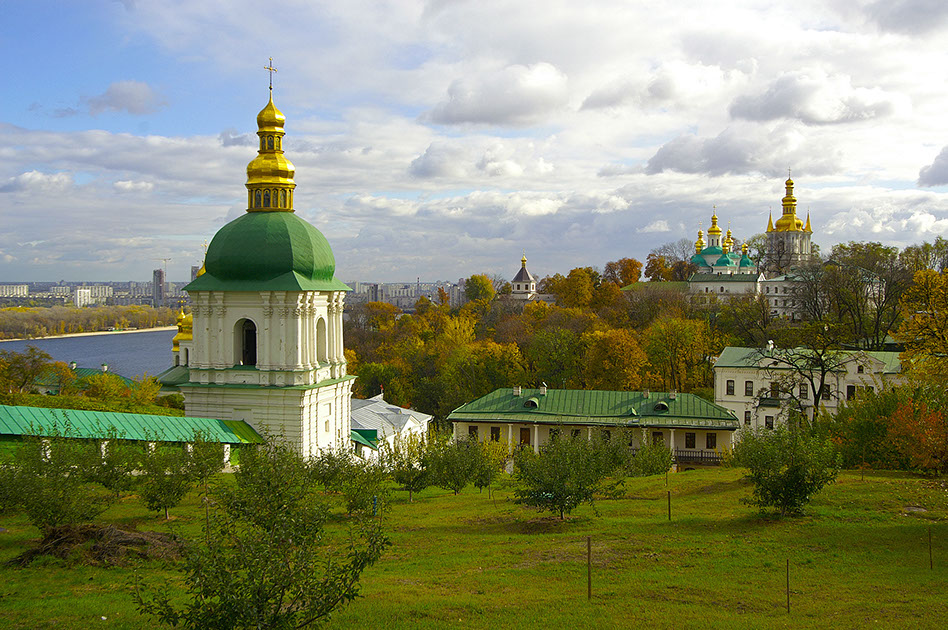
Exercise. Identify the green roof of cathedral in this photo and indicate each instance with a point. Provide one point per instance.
(268, 251)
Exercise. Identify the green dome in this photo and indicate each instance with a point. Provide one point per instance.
(268, 251)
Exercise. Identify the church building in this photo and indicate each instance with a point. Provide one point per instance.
(723, 272)
(264, 343)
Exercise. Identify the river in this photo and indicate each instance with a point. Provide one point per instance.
(128, 354)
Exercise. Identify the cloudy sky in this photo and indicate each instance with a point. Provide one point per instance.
(443, 138)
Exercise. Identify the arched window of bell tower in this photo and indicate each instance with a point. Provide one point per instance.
(245, 342)
(322, 343)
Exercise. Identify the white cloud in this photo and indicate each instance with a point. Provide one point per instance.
(815, 99)
(126, 186)
(656, 226)
(133, 97)
(36, 181)
(516, 95)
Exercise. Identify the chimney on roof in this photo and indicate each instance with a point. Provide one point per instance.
(645, 394)
(105, 367)
(672, 395)
(543, 389)
(517, 391)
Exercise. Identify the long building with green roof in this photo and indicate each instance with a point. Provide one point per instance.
(695, 429)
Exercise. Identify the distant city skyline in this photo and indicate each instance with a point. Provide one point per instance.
(445, 138)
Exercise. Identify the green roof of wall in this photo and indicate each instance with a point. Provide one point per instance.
(17, 421)
(612, 408)
(268, 251)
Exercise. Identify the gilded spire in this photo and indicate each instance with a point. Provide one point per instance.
(789, 221)
(808, 228)
(714, 230)
(770, 222)
(270, 182)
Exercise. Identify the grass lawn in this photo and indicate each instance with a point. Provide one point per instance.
(858, 558)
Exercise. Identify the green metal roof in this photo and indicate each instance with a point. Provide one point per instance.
(268, 251)
(15, 421)
(174, 376)
(367, 437)
(749, 357)
(607, 408)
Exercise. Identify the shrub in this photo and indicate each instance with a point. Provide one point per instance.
(263, 564)
(165, 478)
(47, 479)
(650, 459)
(566, 473)
(407, 460)
(787, 467)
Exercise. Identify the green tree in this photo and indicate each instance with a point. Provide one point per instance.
(651, 458)
(47, 479)
(452, 463)
(566, 473)
(165, 478)
(407, 459)
(265, 564)
(113, 463)
(556, 357)
(479, 287)
(924, 327)
(787, 467)
(490, 461)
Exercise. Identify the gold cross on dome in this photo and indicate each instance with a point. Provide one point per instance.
(271, 69)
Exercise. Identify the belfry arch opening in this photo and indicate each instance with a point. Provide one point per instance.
(245, 342)
(322, 343)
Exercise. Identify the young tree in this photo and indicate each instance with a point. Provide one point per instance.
(47, 479)
(165, 478)
(566, 473)
(787, 467)
(407, 459)
(113, 462)
(452, 463)
(490, 461)
(650, 459)
(265, 564)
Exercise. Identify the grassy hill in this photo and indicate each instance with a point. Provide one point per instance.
(860, 557)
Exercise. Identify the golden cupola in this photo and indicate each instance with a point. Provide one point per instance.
(270, 182)
(699, 244)
(789, 222)
(715, 229)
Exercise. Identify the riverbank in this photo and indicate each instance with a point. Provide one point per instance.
(93, 334)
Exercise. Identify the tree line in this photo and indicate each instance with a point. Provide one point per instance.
(609, 330)
(30, 322)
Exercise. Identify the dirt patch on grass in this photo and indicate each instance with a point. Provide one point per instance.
(101, 546)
